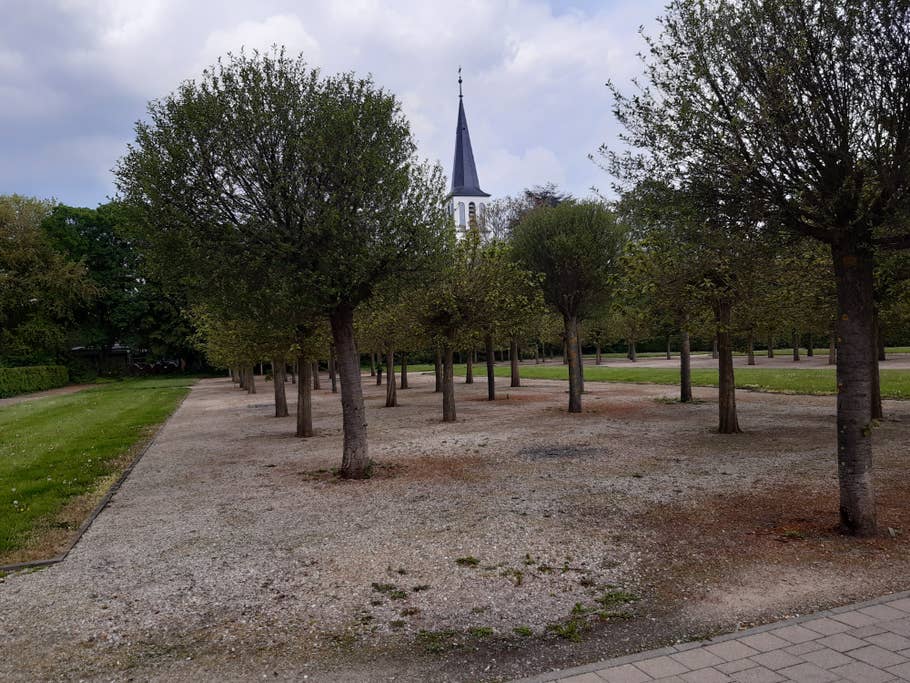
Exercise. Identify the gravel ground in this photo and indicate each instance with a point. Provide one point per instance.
(233, 552)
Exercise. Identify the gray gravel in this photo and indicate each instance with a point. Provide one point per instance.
(232, 552)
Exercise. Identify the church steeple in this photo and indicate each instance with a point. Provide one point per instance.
(468, 202)
(464, 171)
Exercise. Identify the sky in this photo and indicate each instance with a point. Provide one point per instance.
(76, 75)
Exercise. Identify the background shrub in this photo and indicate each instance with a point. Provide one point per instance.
(15, 381)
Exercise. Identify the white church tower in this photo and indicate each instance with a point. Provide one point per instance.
(467, 202)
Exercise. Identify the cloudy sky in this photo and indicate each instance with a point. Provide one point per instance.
(75, 75)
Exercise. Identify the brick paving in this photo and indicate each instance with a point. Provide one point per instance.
(867, 642)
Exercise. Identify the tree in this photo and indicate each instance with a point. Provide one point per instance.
(310, 180)
(576, 247)
(130, 306)
(41, 291)
(803, 111)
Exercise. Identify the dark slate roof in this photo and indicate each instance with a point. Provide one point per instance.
(464, 172)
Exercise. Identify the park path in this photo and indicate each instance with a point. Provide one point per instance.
(35, 395)
(867, 642)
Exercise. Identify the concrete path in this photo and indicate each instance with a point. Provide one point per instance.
(862, 643)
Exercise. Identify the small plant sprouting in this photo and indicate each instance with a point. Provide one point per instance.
(523, 631)
(615, 597)
(469, 561)
(437, 641)
(516, 575)
(480, 631)
(421, 587)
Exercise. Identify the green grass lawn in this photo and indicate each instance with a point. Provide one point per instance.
(895, 383)
(54, 449)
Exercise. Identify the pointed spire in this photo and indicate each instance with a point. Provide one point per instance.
(464, 171)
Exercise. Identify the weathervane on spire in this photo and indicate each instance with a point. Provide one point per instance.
(459, 81)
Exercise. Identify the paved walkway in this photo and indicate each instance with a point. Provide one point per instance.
(863, 643)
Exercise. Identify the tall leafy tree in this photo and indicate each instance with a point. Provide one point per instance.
(42, 292)
(802, 110)
(576, 248)
(263, 168)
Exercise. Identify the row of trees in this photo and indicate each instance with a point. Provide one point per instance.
(291, 208)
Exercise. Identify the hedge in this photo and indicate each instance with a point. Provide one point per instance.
(15, 381)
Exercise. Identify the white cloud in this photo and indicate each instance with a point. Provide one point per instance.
(534, 76)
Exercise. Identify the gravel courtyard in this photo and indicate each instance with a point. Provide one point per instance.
(519, 539)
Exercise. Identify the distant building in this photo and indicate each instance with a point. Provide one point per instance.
(467, 202)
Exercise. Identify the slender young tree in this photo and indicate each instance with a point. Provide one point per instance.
(576, 248)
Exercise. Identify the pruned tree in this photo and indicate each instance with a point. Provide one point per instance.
(264, 167)
(576, 248)
(802, 111)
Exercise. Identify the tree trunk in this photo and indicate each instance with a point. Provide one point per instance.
(770, 346)
(685, 368)
(469, 369)
(294, 372)
(304, 398)
(234, 378)
(565, 354)
(378, 374)
(598, 358)
(391, 396)
(515, 360)
(633, 351)
(669, 355)
(251, 383)
(372, 363)
(571, 332)
(241, 378)
(281, 400)
(795, 345)
(728, 423)
(880, 338)
(491, 363)
(581, 366)
(437, 367)
(317, 385)
(856, 352)
(355, 460)
(714, 349)
(810, 343)
(448, 386)
(750, 351)
(404, 371)
(332, 375)
(876, 413)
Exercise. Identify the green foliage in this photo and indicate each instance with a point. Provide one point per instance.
(60, 447)
(469, 561)
(576, 247)
(15, 381)
(41, 291)
(316, 198)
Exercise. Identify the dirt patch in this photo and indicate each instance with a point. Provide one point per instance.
(514, 396)
(501, 545)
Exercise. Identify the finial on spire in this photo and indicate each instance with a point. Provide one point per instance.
(459, 82)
